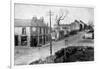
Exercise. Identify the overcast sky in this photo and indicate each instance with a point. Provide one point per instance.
(27, 11)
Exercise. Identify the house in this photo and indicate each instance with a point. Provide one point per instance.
(61, 30)
(31, 32)
(21, 31)
(84, 25)
(40, 32)
(75, 26)
(78, 25)
(64, 29)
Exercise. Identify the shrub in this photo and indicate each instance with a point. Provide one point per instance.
(73, 32)
(74, 53)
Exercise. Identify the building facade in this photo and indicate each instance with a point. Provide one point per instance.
(64, 29)
(61, 30)
(33, 32)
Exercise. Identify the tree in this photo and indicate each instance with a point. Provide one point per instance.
(61, 15)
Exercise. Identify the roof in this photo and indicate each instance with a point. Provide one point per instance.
(38, 23)
(62, 25)
(22, 22)
(28, 23)
(82, 22)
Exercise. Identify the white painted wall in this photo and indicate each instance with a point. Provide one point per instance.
(18, 30)
(75, 26)
(28, 30)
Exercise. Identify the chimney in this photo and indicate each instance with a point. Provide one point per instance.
(42, 19)
(34, 19)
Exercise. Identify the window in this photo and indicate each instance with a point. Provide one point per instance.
(40, 30)
(64, 28)
(44, 30)
(24, 31)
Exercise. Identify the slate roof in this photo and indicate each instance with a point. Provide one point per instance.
(22, 22)
(62, 25)
(28, 23)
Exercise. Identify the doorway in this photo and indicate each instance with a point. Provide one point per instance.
(33, 41)
(16, 40)
(23, 40)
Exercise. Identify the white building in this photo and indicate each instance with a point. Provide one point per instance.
(30, 32)
(61, 30)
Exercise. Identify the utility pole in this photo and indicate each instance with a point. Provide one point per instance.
(38, 35)
(50, 14)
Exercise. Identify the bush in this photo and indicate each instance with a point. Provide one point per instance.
(72, 54)
(35, 62)
(69, 54)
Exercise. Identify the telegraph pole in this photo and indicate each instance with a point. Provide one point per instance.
(38, 34)
(50, 33)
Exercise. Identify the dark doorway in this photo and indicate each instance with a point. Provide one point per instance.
(16, 40)
(33, 41)
(61, 34)
(43, 39)
(23, 40)
(40, 39)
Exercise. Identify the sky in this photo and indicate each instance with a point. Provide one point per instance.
(27, 11)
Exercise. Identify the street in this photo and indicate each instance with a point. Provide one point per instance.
(25, 55)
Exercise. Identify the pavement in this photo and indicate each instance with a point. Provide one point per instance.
(25, 55)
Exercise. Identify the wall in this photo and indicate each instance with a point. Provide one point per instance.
(18, 30)
(74, 26)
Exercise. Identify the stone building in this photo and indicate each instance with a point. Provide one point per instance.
(31, 32)
(75, 26)
(61, 30)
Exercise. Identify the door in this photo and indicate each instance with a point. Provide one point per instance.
(33, 41)
(16, 40)
(23, 40)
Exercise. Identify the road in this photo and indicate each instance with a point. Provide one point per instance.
(25, 55)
